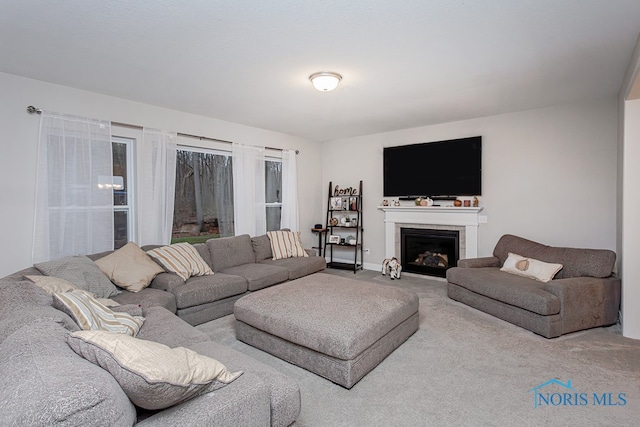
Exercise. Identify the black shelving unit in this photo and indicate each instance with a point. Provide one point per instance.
(343, 238)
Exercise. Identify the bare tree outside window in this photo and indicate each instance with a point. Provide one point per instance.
(273, 193)
(204, 196)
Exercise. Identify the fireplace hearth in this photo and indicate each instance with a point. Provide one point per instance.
(429, 252)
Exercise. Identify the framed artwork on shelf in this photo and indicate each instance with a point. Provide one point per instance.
(353, 203)
(334, 238)
(336, 203)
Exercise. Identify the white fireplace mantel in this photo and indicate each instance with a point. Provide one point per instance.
(458, 217)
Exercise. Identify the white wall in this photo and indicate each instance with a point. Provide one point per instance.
(19, 137)
(631, 221)
(548, 174)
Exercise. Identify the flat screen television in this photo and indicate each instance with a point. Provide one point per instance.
(434, 169)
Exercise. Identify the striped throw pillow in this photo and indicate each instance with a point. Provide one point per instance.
(182, 259)
(286, 244)
(89, 314)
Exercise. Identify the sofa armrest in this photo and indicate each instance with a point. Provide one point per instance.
(246, 403)
(586, 302)
(489, 261)
(166, 281)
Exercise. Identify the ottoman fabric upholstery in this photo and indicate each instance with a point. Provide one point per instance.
(336, 327)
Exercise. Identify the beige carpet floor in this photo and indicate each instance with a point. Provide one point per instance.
(466, 368)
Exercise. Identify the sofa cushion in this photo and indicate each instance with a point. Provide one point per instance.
(508, 288)
(89, 314)
(531, 268)
(44, 382)
(284, 392)
(299, 267)
(129, 267)
(166, 328)
(576, 262)
(286, 244)
(182, 259)
(201, 290)
(259, 276)
(149, 297)
(245, 402)
(152, 375)
(24, 303)
(261, 247)
(230, 251)
(82, 272)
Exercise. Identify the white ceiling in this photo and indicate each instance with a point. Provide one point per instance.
(405, 63)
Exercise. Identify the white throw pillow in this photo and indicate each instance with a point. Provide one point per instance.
(529, 267)
(52, 284)
(152, 375)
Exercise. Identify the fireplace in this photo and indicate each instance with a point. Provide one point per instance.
(427, 251)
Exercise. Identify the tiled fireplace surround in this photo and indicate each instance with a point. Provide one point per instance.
(464, 220)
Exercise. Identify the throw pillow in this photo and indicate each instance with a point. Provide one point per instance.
(153, 375)
(286, 244)
(52, 284)
(89, 314)
(129, 267)
(182, 259)
(80, 271)
(531, 268)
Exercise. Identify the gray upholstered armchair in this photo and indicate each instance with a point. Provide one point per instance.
(583, 294)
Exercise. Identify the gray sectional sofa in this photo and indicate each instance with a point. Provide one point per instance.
(583, 294)
(44, 382)
(241, 264)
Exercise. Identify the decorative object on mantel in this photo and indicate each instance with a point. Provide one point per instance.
(396, 203)
(457, 203)
(475, 202)
(467, 203)
(385, 202)
(424, 201)
(392, 267)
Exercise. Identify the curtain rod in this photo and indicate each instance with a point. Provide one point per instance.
(31, 110)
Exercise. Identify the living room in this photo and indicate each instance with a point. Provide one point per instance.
(565, 157)
(559, 173)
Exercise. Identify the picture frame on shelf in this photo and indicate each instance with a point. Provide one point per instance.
(334, 239)
(353, 203)
(336, 203)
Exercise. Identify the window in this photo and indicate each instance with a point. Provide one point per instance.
(273, 192)
(203, 207)
(122, 191)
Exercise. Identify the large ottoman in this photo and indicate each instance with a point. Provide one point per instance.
(336, 327)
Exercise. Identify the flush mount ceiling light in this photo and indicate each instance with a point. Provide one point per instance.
(325, 81)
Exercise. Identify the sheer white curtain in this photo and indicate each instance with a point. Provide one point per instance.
(155, 183)
(249, 209)
(74, 187)
(289, 218)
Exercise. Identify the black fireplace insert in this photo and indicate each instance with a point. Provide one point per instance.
(429, 252)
